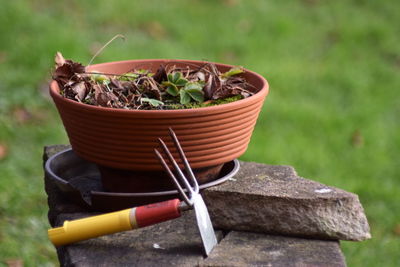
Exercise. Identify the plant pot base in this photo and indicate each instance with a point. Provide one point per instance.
(80, 181)
(128, 181)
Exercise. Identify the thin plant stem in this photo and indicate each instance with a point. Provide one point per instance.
(104, 46)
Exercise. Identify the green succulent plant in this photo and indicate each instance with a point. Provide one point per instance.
(187, 91)
(152, 102)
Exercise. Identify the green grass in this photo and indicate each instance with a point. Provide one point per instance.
(333, 68)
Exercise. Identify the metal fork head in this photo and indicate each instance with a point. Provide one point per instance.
(191, 187)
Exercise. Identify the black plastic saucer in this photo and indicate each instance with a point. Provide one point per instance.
(80, 180)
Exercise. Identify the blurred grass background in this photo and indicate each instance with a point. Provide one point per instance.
(333, 110)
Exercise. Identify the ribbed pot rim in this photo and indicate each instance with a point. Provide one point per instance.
(263, 91)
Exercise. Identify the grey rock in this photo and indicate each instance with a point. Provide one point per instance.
(171, 243)
(252, 249)
(274, 199)
(177, 243)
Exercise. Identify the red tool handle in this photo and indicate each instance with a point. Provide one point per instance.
(157, 212)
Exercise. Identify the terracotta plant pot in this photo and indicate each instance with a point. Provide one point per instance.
(125, 139)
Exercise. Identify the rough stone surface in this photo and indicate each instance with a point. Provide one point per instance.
(273, 195)
(244, 249)
(172, 243)
(274, 199)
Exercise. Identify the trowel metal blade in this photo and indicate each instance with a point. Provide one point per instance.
(204, 223)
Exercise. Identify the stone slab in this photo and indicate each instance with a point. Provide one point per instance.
(177, 242)
(171, 243)
(274, 199)
(253, 249)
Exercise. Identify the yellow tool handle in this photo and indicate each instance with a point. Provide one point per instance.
(82, 229)
(109, 223)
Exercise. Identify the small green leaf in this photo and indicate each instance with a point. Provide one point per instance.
(185, 97)
(193, 85)
(172, 89)
(152, 102)
(176, 77)
(196, 94)
(128, 77)
(142, 71)
(181, 82)
(100, 78)
(171, 77)
(232, 72)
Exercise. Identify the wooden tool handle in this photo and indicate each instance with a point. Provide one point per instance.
(109, 223)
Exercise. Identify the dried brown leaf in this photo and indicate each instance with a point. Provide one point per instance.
(3, 151)
(59, 60)
(357, 139)
(115, 84)
(396, 229)
(216, 87)
(98, 92)
(208, 88)
(79, 90)
(3, 56)
(228, 90)
(103, 100)
(149, 86)
(131, 87)
(22, 115)
(231, 3)
(160, 75)
(68, 71)
(14, 262)
(63, 71)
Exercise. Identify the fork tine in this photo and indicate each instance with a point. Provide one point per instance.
(176, 166)
(172, 176)
(184, 160)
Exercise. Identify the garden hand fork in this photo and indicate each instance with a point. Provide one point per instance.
(133, 218)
